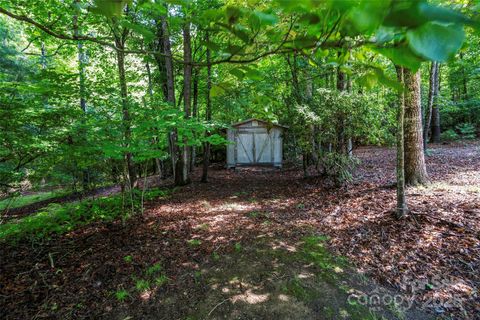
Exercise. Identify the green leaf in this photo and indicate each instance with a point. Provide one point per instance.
(145, 32)
(238, 73)
(367, 16)
(254, 74)
(258, 19)
(216, 91)
(232, 14)
(436, 42)
(110, 8)
(441, 14)
(402, 56)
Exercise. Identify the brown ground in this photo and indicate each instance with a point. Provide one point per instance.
(234, 248)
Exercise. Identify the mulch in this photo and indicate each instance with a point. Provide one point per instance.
(433, 254)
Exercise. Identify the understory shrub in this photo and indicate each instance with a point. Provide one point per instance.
(449, 135)
(62, 218)
(466, 130)
(340, 167)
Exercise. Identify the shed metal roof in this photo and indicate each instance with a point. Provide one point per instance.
(255, 119)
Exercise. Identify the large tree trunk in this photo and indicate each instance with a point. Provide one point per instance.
(208, 114)
(127, 133)
(183, 173)
(415, 169)
(432, 93)
(401, 201)
(169, 87)
(435, 138)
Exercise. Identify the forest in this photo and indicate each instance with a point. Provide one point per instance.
(239, 159)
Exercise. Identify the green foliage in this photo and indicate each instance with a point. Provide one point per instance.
(142, 285)
(467, 131)
(339, 166)
(238, 247)
(121, 295)
(449, 135)
(58, 219)
(128, 259)
(194, 242)
(157, 267)
(62, 218)
(17, 201)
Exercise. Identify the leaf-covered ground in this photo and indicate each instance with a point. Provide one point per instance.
(253, 243)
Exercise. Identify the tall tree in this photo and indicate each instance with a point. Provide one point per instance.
(435, 137)
(415, 168)
(432, 94)
(400, 170)
(208, 112)
(182, 176)
(120, 35)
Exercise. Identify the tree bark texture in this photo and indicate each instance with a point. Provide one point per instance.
(415, 168)
(401, 209)
(208, 114)
(183, 173)
(432, 93)
(435, 137)
(120, 42)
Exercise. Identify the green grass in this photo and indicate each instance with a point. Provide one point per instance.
(21, 201)
(62, 218)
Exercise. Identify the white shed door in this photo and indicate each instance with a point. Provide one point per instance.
(263, 148)
(245, 148)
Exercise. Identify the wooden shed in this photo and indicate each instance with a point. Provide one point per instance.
(254, 142)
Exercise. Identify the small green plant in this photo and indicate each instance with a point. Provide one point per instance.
(215, 256)
(301, 206)
(157, 267)
(128, 259)
(194, 242)
(142, 285)
(160, 280)
(121, 295)
(238, 247)
(197, 275)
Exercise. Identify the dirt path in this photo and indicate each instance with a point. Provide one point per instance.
(258, 243)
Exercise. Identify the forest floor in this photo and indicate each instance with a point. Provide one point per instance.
(269, 244)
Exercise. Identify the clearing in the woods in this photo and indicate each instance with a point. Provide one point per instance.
(260, 243)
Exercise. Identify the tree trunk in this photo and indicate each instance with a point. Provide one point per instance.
(208, 114)
(415, 168)
(169, 88)
(401, 201)
(194, 114)
(82, 91)
(183, 175)
(464, 79)
(127, 133)
(341, 146)
(435, 138)
(431, 97)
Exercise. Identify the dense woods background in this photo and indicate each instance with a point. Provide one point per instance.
(108, 91)
(102, 99)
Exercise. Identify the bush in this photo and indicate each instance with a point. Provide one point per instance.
(339, 167)
(467, 130)
(62, 218)
(449, 135)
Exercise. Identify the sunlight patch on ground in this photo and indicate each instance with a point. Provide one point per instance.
(250, 297)
(234, 206)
